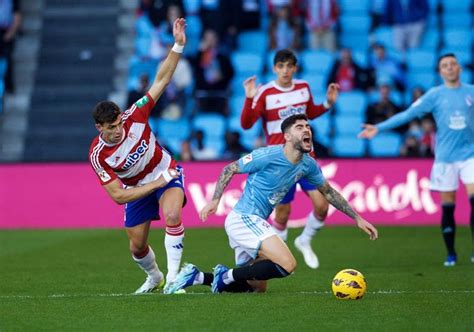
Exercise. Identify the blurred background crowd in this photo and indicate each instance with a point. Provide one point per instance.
(72, 54)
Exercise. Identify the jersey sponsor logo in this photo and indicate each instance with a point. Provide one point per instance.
(103, 175)
(457, 121)
(291, 110)
(133, 157)
(142, 102)
(246, 159)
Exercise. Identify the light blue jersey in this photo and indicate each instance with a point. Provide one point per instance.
(453, 111)
(271, 175)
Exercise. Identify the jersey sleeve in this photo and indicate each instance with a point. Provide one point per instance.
(313, 110)
(141, 109)
(253, 109)
(419, 108)
(315, 175)
(253, 162)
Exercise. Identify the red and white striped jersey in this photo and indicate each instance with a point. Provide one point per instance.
(138, 159)
(274, 104)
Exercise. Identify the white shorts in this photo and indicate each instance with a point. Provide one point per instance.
(246, 234)
(445, 176)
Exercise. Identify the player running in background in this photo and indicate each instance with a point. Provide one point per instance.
(273, 103)
(136, 171)
(259, 251)
(452, 106)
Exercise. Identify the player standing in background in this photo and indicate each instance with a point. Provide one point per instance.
(126, 152)
(452, 106)
(259, 253)
(273, 103)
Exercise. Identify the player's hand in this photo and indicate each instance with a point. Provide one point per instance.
(173, 174)
(368, 132)
(251, 87)
(368, 228)
(209, 209)
(332, 93)
(179, 27)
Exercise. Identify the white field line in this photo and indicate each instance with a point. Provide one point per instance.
(378, 292)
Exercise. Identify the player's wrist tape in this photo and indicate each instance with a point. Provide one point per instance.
(326, 104)
(167, 176)
(177, 48)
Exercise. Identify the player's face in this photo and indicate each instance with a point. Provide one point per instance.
(301, 137)
(449, 69)
(112, 132)
(285, 71)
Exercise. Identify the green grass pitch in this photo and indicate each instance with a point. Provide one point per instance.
(82, 280)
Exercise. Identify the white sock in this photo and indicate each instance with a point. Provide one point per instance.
(199, 279)
(174, 249)
(310, 229)
(148, 264)
(282, 233)
(228, 277)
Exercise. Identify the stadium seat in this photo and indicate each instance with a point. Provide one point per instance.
(2, 92)
(137, 67)
(433, 4)
(142, 46)
(384, 35)
(317, 82)
(418, 59)
(191, 7)
(236, 103)
(395, 96)
(360, 7)
(171, 129)
(255, 42)
(215, 144)
(386, 144)
(464, 56)
(213, 125)
(143, 27)
(248, 137)
(354, 41)
(193, 26)
(348, 146)
(360, 58)
(3, 67)
(457, 39)
(348, 124)
(424, 79)
(351, 103)
(356, 24)
(466, 76)
(317, 61)
(457, 20)
(458, 6)
(430, 40)
(322, 127)
(247, 63)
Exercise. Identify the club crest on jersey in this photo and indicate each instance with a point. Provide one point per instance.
(103, 175)
(246, 159)
(291, 110)
(133, 157)
(469, 101)
(142, 102)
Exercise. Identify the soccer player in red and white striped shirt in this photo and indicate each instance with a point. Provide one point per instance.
(136, 171)
(273, 103)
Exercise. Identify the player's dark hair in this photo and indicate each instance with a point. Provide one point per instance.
(291, 120)
(446, 55)
(284, 56)
(105, 112)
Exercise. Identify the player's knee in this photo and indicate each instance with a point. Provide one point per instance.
(321, 211)
(172, 217)
(138, 247)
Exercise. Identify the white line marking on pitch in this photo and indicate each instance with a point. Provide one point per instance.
(378, 292)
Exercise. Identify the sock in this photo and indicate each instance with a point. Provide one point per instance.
(147, 262)
(203, 278)
(471, 199)
(310, 229)
(260, 270)
(280, 230)
(228, 277)
(448, 227)
(174, 249)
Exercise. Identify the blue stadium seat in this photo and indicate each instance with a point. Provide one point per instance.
(2, 92)
(236, 103)
(192, 46)
(215, 144)
(348, 124)
(457, 6)
(191, 7)
(3, 67)
(213, 125)
(457, 39)
(358, 24)
(421, 59)
(424, 79)
(142, 46)
(194, 26)
(360, 7)
(317, 61)
(348, 146)
(317, 82)
(247, 63)
(384, 35)
(252, 41)
(143, 27)
(171, 129)
(360, 58)
(466, 76)
(457, 20)
(248, 137)
(351, 103)
(464, 56)
(433, 6)
(430, 40)
(137, 67)
(354, 41)
(322, 127)
(395, 96)
(172, 144)
(386, 144)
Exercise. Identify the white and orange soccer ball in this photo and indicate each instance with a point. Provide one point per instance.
(349, 284)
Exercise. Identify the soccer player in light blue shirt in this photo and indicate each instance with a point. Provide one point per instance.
(272, 172)
(452, 106)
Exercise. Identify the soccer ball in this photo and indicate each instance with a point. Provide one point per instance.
(349, 284)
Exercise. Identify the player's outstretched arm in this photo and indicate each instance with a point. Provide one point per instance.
(167, 68)
(369, 131)
(122, 196)
(224, 179)
(340, 203)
